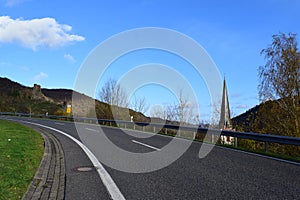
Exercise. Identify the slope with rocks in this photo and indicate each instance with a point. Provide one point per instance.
(15, 97)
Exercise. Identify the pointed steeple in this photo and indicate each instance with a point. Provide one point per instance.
(225, 121)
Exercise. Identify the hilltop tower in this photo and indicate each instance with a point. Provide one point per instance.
(225, 122)
(37, 93)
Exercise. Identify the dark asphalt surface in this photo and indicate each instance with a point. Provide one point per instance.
(223, 174)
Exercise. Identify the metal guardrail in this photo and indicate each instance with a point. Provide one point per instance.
(266, 138)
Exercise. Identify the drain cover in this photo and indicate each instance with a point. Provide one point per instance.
(85, 169)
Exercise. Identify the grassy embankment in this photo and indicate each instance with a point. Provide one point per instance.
(21, 151)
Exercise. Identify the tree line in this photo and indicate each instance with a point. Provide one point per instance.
(182, 111)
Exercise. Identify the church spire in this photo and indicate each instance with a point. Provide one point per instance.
(225, 121)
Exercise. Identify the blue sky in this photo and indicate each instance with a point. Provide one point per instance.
(47, 41)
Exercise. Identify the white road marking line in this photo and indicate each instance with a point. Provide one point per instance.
(146, 145)
(90, 129)
(110, 185)
(59, 123)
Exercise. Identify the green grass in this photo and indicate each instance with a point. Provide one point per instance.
(271, 154)
(19, 158)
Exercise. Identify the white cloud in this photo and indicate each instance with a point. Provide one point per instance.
(242, 106)
(25, 69)
(10, 3)
(70, 58)
(36, 33)
(40, 76)
(236, 95)
(4, 64)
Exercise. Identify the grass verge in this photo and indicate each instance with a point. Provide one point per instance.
(21, 151)
(270, 154)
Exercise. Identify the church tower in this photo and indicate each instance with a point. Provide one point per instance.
(225, 122)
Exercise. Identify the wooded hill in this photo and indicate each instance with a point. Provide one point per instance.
(269, 118)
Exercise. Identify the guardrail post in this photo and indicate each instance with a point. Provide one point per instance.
(154, 129)
(133, 126)
(125, 126)
(235, 141)
(267, 146)
(166, 131)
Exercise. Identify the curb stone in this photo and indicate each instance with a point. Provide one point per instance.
(49, 180)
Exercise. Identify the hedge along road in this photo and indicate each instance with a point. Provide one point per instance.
(224, 173)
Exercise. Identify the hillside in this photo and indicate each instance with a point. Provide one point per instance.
(15, 97)
(245, 120)
(268, 117)
(58, 95)
(7, 85)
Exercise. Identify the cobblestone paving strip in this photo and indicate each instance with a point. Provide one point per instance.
(49, 180)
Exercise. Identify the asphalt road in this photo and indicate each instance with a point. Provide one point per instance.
(223, 174)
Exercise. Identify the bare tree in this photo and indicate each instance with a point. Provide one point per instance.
(215, 117)
(139, 104)
(113, 94)
(183, 111)
(158, 111)
(171, 112)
